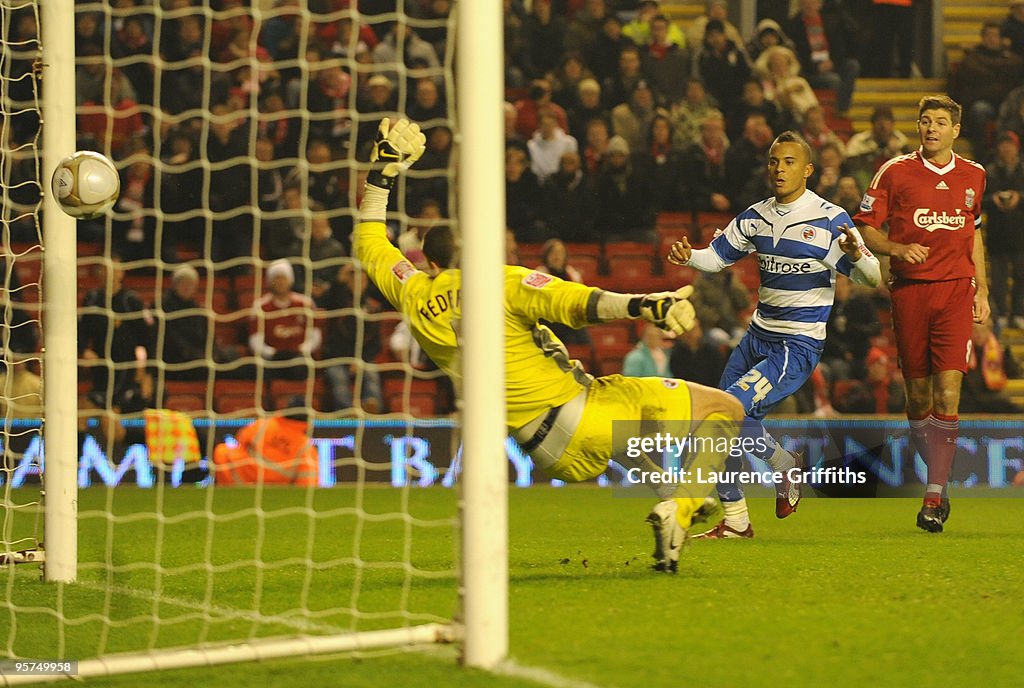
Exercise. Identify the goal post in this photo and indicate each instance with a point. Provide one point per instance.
(482, 221)
(151, 562)
(59, 307)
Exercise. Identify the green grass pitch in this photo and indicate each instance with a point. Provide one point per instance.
(844, 593)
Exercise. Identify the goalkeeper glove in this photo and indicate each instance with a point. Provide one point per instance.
(395, 149)
(668, 310)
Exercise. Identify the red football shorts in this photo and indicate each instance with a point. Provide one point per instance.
(932, 322)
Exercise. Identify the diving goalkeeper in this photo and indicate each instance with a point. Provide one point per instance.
(560, 415)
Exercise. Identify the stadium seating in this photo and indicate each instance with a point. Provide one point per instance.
(236, 396)
(610, 358)
(611, 334)
(419, 398)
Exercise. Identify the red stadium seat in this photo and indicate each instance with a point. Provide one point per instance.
(185, 402)
(421, 400)
(618, 249)
(610, 358)
(531, 255)
(586, 248)
(610, 334)
(630, 267)
(675, 219)
(714, 219)
(282, 391)
(197, 387)
(584, 353)
(236, 396)
(589, 266)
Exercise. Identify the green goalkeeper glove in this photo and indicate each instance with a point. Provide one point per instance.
(397, 147)
(669, 310)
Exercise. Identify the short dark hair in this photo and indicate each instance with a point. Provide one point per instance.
(440, 248)
(940, 102)
(714, 25)
(882, 112)
(790, 136)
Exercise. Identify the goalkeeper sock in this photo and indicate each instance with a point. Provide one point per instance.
(737, 516)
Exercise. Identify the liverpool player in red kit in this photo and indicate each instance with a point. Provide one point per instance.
(931, 199)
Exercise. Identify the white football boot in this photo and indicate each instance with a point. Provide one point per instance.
(669, 536)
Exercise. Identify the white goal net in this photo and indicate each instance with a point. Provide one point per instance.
(260, 473)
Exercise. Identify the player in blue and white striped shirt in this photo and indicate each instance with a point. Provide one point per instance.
(801, 241)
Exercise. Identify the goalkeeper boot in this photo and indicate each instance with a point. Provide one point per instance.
(726, 532)
(669, 536)
(787, 494)
(929, 518)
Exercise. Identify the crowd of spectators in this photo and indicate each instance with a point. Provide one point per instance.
(240, 137)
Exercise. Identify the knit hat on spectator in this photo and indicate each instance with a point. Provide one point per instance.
(617, 144)
(185, 272)
(281, 267)
(1011, 137)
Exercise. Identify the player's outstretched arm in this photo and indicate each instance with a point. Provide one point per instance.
(669, 310)
(703, 259)
(396, 148)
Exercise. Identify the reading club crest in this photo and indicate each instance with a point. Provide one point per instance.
(969, 198)
(808, 233)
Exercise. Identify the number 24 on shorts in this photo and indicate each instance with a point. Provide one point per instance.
(762, 385)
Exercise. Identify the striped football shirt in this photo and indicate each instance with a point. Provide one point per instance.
(797, 246)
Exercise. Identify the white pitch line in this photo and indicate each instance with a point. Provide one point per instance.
(223, 612)
(540, 675)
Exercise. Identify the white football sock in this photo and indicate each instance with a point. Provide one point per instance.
(781, 460)
(736, 515)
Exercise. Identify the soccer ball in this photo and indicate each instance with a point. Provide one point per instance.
(86, 184)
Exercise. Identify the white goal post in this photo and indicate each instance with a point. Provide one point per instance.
(481, 211)
(59, 316)
(480, 623)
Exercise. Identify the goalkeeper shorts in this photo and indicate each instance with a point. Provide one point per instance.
(632, 401)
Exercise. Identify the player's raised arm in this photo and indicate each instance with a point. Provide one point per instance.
(535, 296)
(669, 310)
(727, 246)
(395, 150)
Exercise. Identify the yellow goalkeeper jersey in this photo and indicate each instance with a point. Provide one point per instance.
(538, 372)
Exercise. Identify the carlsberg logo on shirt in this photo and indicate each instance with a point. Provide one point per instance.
(930, 220)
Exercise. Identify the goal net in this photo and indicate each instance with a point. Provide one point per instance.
(261, 471)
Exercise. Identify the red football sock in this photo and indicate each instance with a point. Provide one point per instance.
(919, 435)
(942, 434)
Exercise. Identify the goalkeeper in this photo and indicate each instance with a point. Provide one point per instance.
(562, 416)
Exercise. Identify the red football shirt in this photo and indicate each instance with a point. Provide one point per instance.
(284, 321)
(936, 207)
